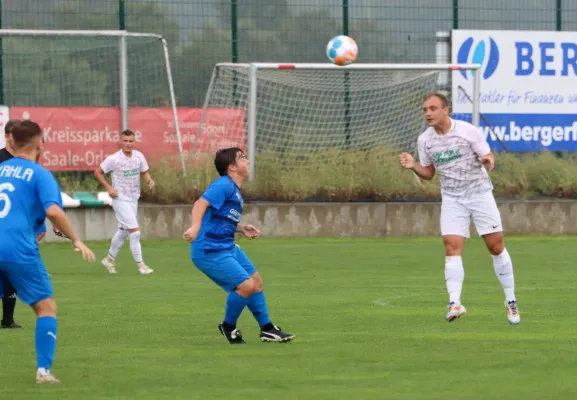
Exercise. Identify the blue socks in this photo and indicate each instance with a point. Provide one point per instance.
(257, 305)
(234, 306)
(46, 330)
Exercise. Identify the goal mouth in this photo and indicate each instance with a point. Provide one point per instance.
(293, 113)
(83, 84)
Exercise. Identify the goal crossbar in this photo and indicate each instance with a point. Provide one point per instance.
(74, 32)
(123, 78)
(357, 66)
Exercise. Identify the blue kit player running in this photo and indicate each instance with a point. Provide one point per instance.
(28, 194)
(215, 220)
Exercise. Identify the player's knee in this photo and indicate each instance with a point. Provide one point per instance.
(257, 281)
(44, 308)
(453, 246)
(496, 247)
(453, 251)
(247, 288)
(495, 243)
(134, 235)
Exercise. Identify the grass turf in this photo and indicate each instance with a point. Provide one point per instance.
(368, 315)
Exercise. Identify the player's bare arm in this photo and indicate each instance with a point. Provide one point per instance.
(99, 173)
(59, 219)
(488, 161)
(407, 161)
(148, 179)
(58, 232)
(198, 211)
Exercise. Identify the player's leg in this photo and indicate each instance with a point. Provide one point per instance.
(115, 245)
(257, 303)
(236, 301)
(134, 238)
(46, 333)
(35, 289)
(136, 249)
(8, 307)
(126, 212)
(118, 239)
(227, 273)
(487, 219)
(455, 222)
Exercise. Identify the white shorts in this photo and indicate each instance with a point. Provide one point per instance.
(456, 215)
(125, 211)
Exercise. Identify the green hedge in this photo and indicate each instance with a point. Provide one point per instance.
(352, 176)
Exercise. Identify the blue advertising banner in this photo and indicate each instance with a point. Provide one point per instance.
(528, 87)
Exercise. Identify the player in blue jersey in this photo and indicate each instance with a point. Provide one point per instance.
(10, 295)
(216, 218)
(28, 194)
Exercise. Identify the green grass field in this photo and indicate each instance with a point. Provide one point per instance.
(368, 315)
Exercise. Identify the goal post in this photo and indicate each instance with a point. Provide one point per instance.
(295, 110)
(88, 68)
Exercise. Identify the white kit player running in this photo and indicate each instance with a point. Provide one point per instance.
(460, 154)
(126, 167)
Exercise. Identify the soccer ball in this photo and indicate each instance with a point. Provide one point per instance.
(342, 50)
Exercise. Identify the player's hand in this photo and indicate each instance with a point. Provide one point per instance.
(406, 160)
(191, 234)
(40, 236)
(249, 231)
(150, 184)
(488, 162)
(87, 254)
(112, 193)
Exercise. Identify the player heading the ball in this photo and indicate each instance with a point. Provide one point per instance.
(459, 152)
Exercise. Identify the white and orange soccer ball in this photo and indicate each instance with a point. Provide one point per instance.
(342, 50)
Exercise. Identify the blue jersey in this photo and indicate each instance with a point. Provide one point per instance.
(5, 155)
(41, 227)
(27, 190)
(221, 217)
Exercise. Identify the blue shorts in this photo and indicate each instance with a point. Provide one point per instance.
(227, 269)
(31, 281)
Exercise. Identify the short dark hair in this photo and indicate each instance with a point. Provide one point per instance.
(224, 158)
(442, 97)
(9, 125)
(127, 132)
(24, 132)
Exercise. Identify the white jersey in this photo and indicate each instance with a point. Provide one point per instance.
(455, 156)
(125, 172)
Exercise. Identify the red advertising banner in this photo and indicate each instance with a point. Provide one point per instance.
(79, 138)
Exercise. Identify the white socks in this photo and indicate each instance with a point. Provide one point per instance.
(135, 247)
(454, 277)
(504, 271)
(117, 242)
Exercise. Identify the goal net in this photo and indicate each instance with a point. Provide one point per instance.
(85, 87)
(317, 118)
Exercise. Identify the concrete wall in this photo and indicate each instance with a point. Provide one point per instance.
(548, 217)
